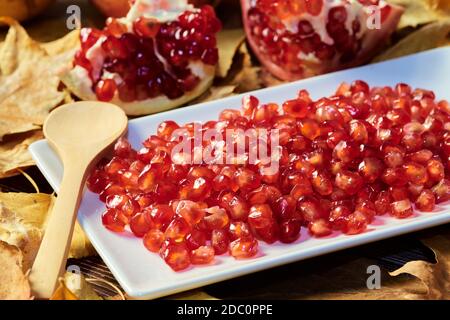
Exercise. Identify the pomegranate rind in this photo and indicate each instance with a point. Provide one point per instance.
(82, 88)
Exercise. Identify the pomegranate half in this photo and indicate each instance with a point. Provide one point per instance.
(297, 39)
(160, 56)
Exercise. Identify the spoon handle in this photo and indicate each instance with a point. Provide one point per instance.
(51, 258)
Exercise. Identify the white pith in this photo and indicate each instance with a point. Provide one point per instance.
(78, 80)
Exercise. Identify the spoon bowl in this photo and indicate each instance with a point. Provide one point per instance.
(79, 133)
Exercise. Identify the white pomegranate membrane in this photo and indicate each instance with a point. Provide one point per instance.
(149, 53)
(343, 160)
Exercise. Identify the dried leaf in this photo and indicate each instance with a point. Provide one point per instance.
(422, 11)
(14, 284)
(28, 82)
(436, 277)
(428, 37)
(228, 42)
(269, 80)
(14, 152)
(22, 223)
(246, 77)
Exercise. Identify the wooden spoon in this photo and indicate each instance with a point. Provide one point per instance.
(79, 133)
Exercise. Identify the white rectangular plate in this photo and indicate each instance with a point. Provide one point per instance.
(144, 275)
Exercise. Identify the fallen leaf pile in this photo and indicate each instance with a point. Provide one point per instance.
(30, 88)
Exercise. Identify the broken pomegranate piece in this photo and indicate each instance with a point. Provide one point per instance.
(296, 39)
(160, 56)
(342, 163)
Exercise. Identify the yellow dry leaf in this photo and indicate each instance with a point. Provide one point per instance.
(215, 93)
(436, 277)
(228, 42)
(14, 152)
(14, 284)
(28, 82)
(22, 223)
(431, 36)
(418, 12)
(64, 45)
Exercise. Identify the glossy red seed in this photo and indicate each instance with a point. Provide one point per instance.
(244, 248)
(415, 173)
(339, 217)
(289, 230)
(357, 223)
(216, 218)
(153, 240)
(435, 170)
(425, 201)
(319, 228)
(141, 223)
(112, 222)
(195, 239)
(322, 183)
(177, 230)
(220, 241)
(161, 215)
(176, 255)
(105, 90)
(202, 255)
(348, 181)
(401, 209)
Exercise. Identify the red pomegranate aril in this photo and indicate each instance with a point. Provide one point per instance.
(146, 27)
(398, 193)
(290, 230)
(153, 240)
(322, 183)
(220, 241)
(176, 255)
(415, 173)
(339, 217)
(442, 191)
(346, 151)
(161, 215)
(260, 216)
(348, 181)
(244, 248)
(435, 170)
(370, 169)
(356, 223)
(236, 206)
(141, 223)
(367, 208)
(382, 203)
(310, 208)
(177, 230)
(216, 218)
(320, 228)
(202, 255)
(105, 90)
(111, 221)
(195, 239)
(425, 201)
(401, 209)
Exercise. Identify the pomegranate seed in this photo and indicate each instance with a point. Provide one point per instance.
(260, 216)
(153, 240)
(356, 223)
(202, 255)
(339, 217)
(319, 228)
(111, 220)
(141, 223)
(416, 173)
(161, 215)
(290, 231)
(435, 170)
(401, 209)
(220, 241)
(244, 248)
(349, 182)
(176, 255)
(425, 201)
(105, 90)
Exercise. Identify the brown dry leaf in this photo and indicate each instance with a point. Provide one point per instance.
(14, 152)
(228, 42)
(422, 11)
(436, 277)
(14, 284)
(245, 76)
(22, 223)
(431, 36)
(28, 82)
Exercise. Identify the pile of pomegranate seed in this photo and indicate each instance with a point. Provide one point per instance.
(153, 58)
(343, 160)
